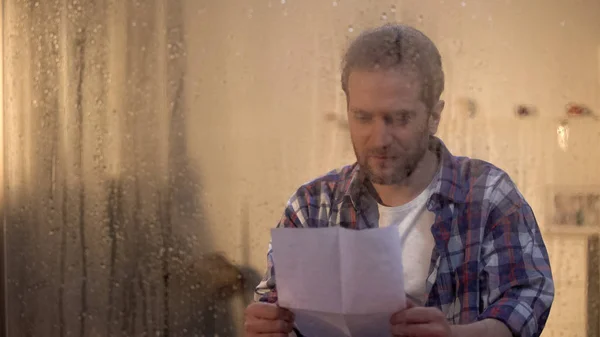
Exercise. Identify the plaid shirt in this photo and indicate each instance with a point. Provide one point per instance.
(489, 259)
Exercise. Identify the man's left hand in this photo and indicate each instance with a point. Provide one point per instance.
(420, 322)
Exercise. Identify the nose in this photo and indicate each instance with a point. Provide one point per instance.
(381, 133)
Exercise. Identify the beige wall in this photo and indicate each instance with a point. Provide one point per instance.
(263, 76)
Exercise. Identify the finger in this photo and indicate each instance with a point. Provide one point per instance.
(263, 326)
(409, 304)
(286, 315)
(417, 315)
(269, 311)
(418, 330)
(263, 311)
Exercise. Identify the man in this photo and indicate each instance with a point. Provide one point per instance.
(474, 261)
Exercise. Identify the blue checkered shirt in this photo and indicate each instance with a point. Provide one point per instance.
(489, 259)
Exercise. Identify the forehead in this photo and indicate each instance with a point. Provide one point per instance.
(384, 89)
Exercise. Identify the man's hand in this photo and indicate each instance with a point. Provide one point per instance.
(268, 320)
(431, 322)
(420, 322)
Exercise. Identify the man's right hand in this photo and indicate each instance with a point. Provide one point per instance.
(268, 320)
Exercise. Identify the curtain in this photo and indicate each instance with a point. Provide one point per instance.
(102, 206)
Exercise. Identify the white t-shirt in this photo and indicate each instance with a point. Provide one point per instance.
(414, 223)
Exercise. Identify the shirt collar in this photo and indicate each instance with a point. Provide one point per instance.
(447, 186)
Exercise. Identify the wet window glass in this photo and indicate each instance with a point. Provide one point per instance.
(149, 147)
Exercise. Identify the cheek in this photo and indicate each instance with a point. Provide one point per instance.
(358, 136)
(405, 137)
(408, 140)
(359, 144)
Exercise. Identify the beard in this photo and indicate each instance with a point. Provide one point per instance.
(400, 165)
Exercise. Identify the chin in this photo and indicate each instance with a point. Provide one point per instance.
(382, 179)
(388, 176)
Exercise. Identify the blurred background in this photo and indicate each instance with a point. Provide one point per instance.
(149, 146)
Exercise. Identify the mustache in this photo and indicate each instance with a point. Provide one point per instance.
(381, 153)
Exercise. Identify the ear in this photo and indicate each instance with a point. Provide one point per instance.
(434, 117)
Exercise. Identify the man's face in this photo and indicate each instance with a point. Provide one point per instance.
(389, 123)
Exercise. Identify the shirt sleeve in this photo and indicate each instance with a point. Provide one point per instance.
(293, 217)
(517, 280)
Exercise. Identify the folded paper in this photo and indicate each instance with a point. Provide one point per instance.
(339, 282)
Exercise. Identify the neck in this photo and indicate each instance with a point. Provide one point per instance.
(412, 186)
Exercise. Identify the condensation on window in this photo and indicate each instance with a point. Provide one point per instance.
(149, 146)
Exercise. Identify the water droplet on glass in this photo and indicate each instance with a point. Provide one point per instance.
(383, 16)
(393, 9)
(562, 23)
(350, 29)
(464, 4)
(335, 3)
(283, 2)
(420, 18)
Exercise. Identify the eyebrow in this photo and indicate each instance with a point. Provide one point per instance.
(394, 112)
(403, 112)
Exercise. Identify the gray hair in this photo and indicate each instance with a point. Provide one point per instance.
(394, 45)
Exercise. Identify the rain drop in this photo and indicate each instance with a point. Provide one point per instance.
(562, 23)
(393, 9)
(464, 4)
(283, 2)
(335, 3)
(350, 29)
(383, 16)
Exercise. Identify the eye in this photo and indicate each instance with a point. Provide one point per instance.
(403, 117)
(362, 116)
